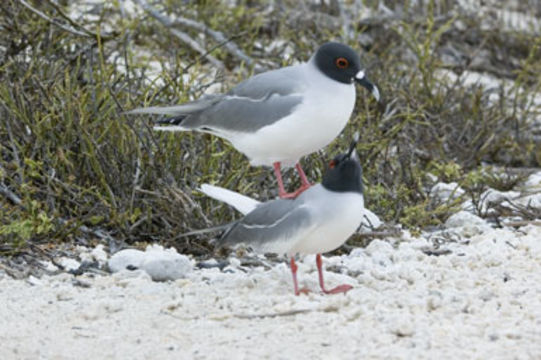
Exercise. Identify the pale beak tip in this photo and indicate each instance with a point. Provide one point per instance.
(355, 155)
(375, 93)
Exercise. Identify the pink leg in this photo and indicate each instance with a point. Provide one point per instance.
(295, 284)
(304, 179)
(339, 289)
(281, 189)
(278, 174)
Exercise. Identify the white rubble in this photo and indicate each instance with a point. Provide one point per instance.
(464, 218)
(467, 224)
(126, 259)
(447, 191)
(161, 264)
(48, 266)
(533, 183)
(69, 264)
(479, 301)
(97, 254)
(532, 201)
(488, 199)
(507, 199)
(496, 197)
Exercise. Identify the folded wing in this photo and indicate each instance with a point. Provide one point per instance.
(275, 226)
(255, 103)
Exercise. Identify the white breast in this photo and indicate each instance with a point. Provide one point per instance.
(315, 123)
(337, 215)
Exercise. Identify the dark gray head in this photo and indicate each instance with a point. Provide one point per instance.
(344, 173)
(342, 63)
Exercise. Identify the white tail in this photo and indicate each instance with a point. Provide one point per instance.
(242, 203)
(170, 110)
(170, 128)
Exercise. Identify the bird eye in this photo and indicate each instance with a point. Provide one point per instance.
(342, 63)
(332, 164)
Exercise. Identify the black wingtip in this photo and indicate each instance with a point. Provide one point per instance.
(175, 120)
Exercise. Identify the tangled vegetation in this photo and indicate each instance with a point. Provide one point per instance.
(73, 167)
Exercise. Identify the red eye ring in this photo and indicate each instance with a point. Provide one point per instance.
(332, 164)
(341, 63)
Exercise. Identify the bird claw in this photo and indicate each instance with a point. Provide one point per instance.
(303, 290)
(285, 195)
(339, 289)
(293, 195)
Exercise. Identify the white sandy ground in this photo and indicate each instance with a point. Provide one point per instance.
(481, 301)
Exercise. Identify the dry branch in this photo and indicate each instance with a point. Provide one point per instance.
(82, 32)
(272, 315)
(182, 36)
(216, 35)
(54, 22)
(10, 195)
(231, 47)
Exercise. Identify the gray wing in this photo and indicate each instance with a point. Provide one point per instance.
(256, 102)
(284, 82)
(275, 226)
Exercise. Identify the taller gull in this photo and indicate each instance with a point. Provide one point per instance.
(277, 117)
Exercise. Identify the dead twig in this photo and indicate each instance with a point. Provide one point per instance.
(224, 41)
(185, 38)
(73, 23)
(182, 36)
(430, 251)
(216, 35)
(86, 33)
(378, 234)
(71, 29)
(272, 315)
(10, 195)
(522, 223)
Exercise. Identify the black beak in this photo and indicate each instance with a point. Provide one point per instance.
(353, 144)
(361, 79)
